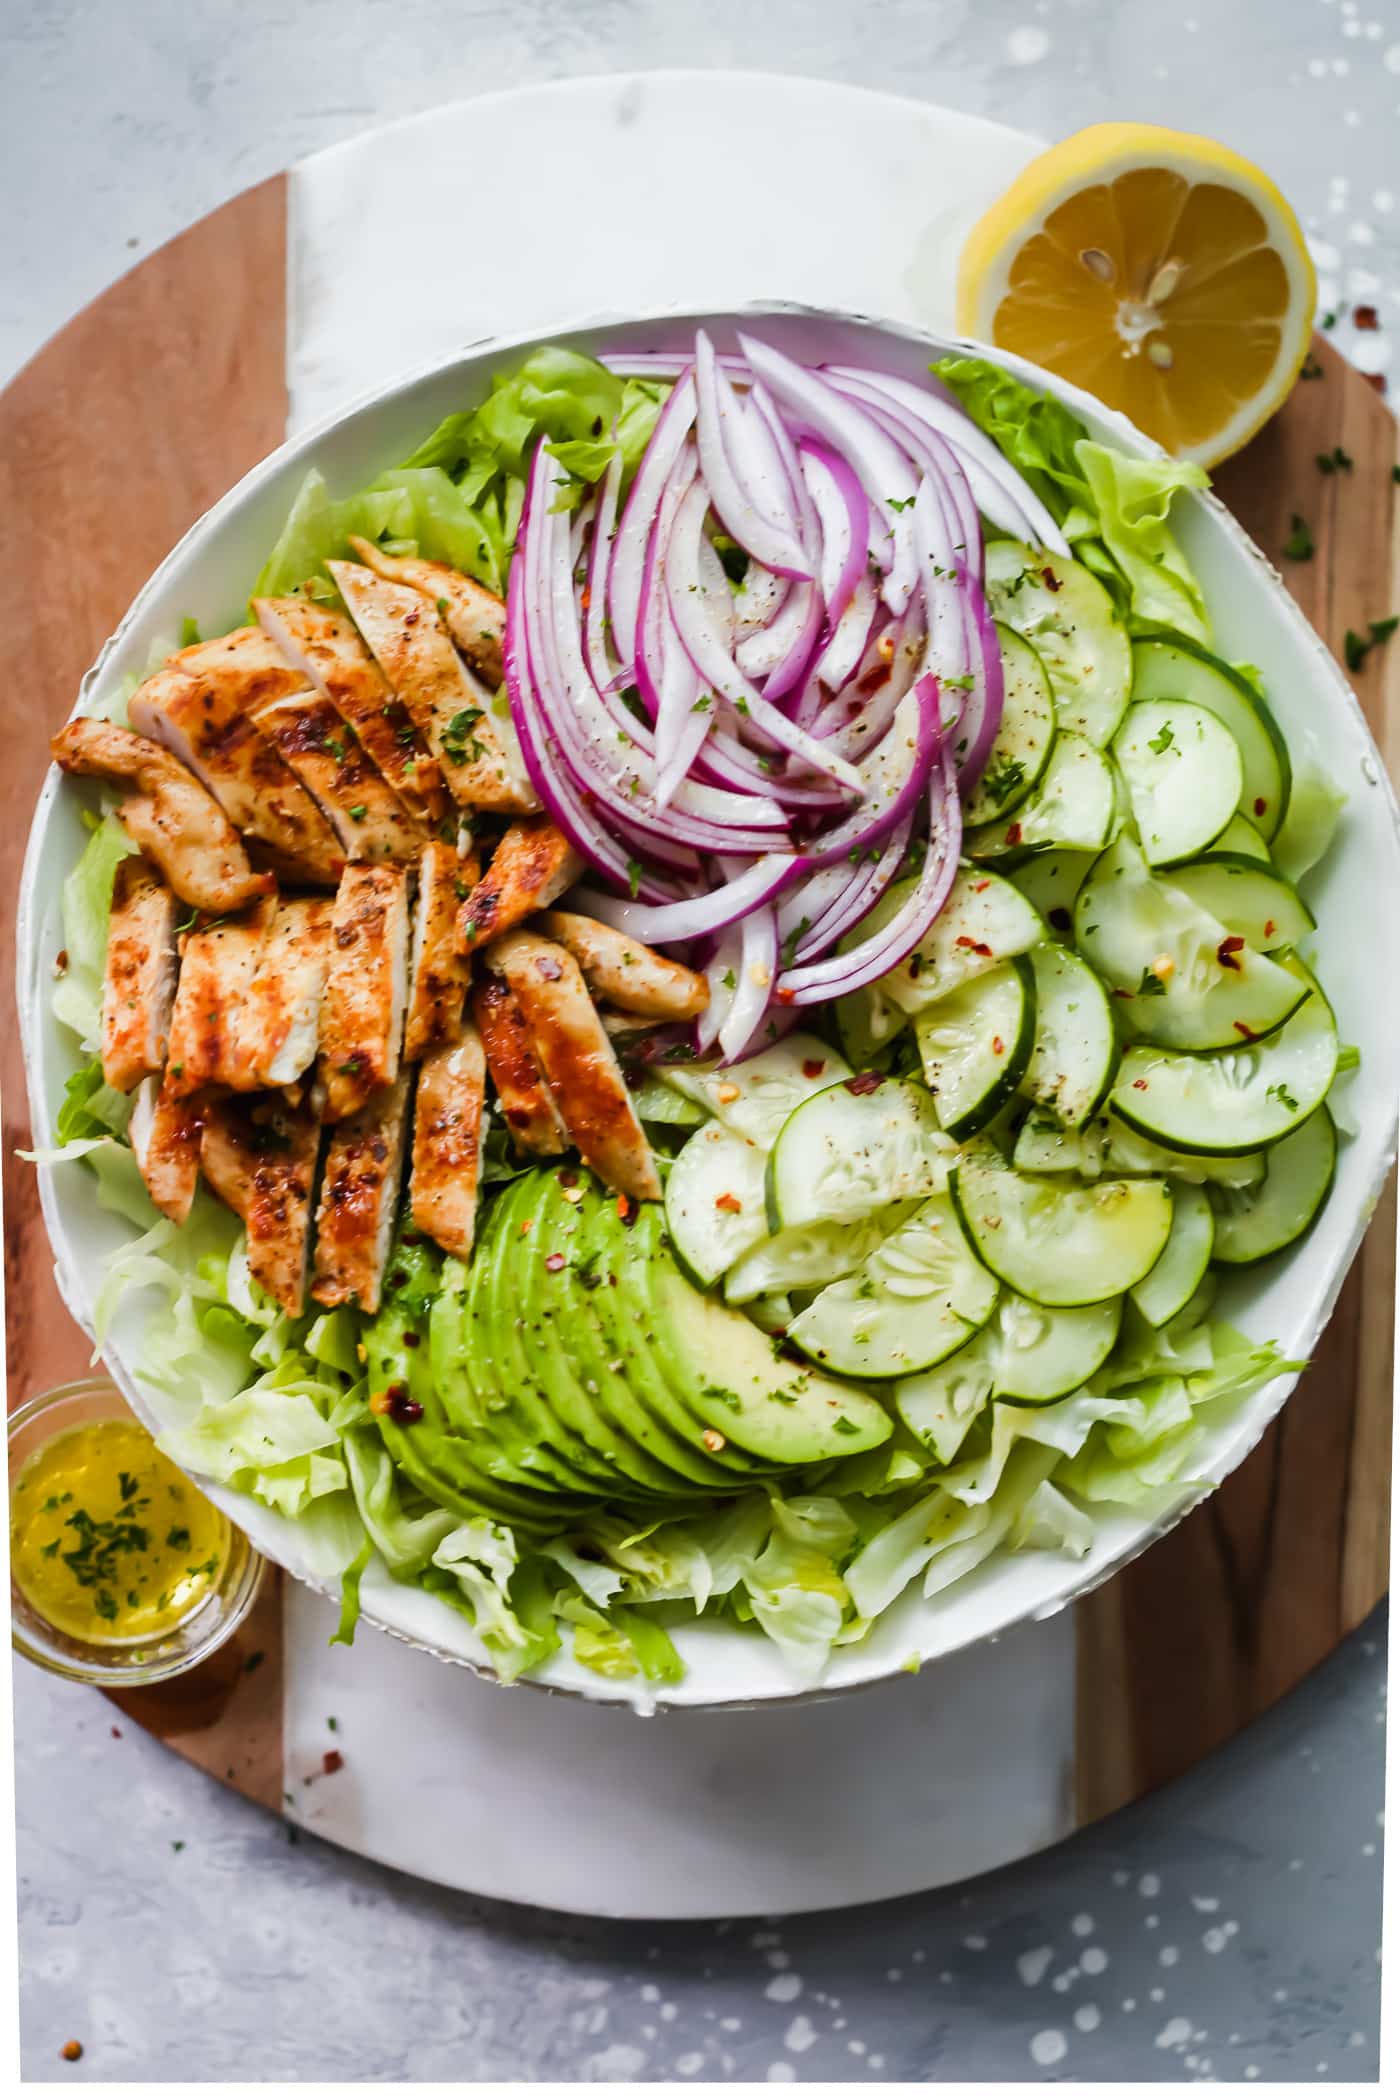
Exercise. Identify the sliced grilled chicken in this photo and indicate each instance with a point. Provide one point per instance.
(636, 978)
(359, 1195)
(475, 617)
(532, 865)
(164, 1131)
(363, 1007)
(440, 976)
(216, 970)
(142, 965)
(280, 1019)
(327, 649)
(173, 819)
(449, 1124)
(330, 762)
(578, 1060)
(259, 1157)
(527, 1106)
(449, 705)
(200, 706)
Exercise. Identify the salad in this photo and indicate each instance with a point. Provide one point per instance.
(690, 1012)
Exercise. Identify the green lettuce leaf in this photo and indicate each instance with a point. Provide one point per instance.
(1315, 805)
(1131, 499)
(87, 906)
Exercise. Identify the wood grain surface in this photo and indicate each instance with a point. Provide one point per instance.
(147, 408)
(1256, 1586)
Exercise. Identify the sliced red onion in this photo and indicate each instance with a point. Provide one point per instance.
(978, 729)
(945, 649)
(722, 976)
(758, 599)
(884, 950)
(595, 633)
(781, 653)
(893, 777)
(843, 514)
(838, 660)
(652, 618)
(861, 896)
(758, 967)
(931, 456)
(746, 891)
(673, 427)
(738, 468)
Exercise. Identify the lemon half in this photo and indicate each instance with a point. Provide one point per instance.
(1159, 271)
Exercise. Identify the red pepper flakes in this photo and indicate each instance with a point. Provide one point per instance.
(863, 1082)
(1013, 834)
(1260, 805)
(1366, 317)
(410, 1339)
(527, 1225)
(1247, 1033)
(554, 1262)
(729, 1203)
(1050, 580)
(625, 1209)
(984, 884)
(1141, 1085)
(71, 2052)
(998, 1047)
(1227, 954)
(965, 940)
(1268, 928)
(585, 598)
(331, 1761)
(813, 1067)
(784, 995)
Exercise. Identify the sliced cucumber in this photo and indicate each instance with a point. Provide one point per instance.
(1171, 1282)
(867, 1021)
(1051, 881)
(1044, 1354)
(1240, 836)
(1073, 807)
(655, 1102)
(1251, 1224)
(1058, 1244)
(939, 1406)
(1184, 775)
(984, 922)
(1168, 666)
(976, 1043)
(1248, 898)
(1070, 621)
(1071, 1066)
(1239, 1100)
(754, 1099)
(1175, 977)
(806, 1256)
(1129, 1152)
(915, 1300)
(1044, 1146)
(1027, 731)
(852, 1149)
(714, 1202)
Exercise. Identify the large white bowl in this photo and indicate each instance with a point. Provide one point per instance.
(208, 575)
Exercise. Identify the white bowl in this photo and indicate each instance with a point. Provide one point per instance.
(208, 575)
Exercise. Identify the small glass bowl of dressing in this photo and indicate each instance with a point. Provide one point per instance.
(121, 1572)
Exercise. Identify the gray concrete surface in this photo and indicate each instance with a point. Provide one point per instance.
(1227, 1928)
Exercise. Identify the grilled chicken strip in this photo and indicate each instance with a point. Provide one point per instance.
(440, 975)
(475, 617)
(638, 979)
(259, 1157)
(532, 865)
(450, 707)
(216, 971)
(578, 1061)
(326, 648)
(363, 1007)
(527, 1105)
(367, 816)
(279, 1023)
(359, 1196)
(449, 1125)
(164, 1131)
(176, 822)
(138, 991)
(200, 706)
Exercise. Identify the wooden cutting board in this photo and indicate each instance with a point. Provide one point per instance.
(150, 404)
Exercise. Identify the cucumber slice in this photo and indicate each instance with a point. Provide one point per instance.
(1174, 980)
(915, 1300)
(1240, 836)
(1071, 1066)
(1051, 882)
(976, 1043)
(984, 922)
(1044, 1146)
(806, 1256)
(1239, 1100)
(1171, 1282)
(656, 1102)
(1022, 748)
(1251, 1224)
(1248, 898)
(1058, 1244)
(1073, 807)
(1168, 666)
(1043, 1354)
(940, 1405)
(754, 1099)
(1069, 619)
(1184, 775)
(867, 1021)
(714, 1202)
(1129, 1152)
(852, 1149)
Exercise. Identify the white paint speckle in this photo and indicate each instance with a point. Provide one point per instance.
(1390, 58)
(1251, 2070)
(780, 2074)
(1169, 1957)
(690, 2063)
(1026, 47)
(783, 1989)
(778, 1960)
(619, 2061)
(1082, 1925)
(1130, 2005)
(975, 1943)
(1031, 1966)
(1205, 1903)
(1086, 2018)
(800, 2035)
(651, 1994)
(1156, 1994)
(1093, 1961)
(1215, 1941)
(731, 2024)
(1049, 2046)
(1149, 1884)
(1175, 2035)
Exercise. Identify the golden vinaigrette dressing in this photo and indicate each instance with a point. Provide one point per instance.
(108, 1540)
